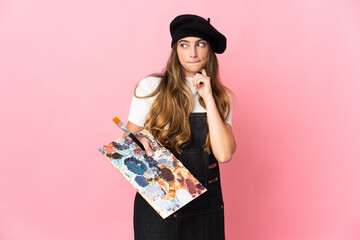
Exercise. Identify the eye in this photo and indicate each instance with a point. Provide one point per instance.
(201, 44)
(183, 45)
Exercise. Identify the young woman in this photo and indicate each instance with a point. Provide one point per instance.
(189, 111)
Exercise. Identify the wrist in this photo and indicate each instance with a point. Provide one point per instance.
(209, 99)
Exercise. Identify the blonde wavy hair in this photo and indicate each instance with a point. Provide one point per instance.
(168, 118)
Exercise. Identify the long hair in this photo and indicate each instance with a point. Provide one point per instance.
(168, 118)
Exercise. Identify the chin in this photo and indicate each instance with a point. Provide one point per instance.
(195, 70)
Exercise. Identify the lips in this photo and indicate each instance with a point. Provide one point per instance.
(193, 62)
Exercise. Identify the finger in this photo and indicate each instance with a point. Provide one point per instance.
(196, 80)
(148, 149)
(147, 145)
(197, 83)
(193, 80)
(201, 81)
(203, 72)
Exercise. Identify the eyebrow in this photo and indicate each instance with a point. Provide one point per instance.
(189, 41)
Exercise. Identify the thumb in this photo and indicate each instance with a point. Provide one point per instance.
(147, 146)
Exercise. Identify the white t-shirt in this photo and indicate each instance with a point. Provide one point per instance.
(140, 106)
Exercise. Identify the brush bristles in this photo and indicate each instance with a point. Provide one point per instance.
(116, 120)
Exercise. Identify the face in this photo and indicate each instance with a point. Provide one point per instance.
(192, 53)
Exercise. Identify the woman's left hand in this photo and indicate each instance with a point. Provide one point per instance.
(202, 83)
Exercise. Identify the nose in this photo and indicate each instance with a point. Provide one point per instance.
(193, 52)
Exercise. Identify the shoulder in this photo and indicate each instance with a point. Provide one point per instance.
(229, 95)
(150, 82)
(147, 85)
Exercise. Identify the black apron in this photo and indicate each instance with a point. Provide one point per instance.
(201, 219)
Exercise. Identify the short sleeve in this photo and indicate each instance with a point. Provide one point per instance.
(140, 107)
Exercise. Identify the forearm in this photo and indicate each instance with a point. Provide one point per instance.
(221, 136)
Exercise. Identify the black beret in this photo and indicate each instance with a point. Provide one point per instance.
(188, 25)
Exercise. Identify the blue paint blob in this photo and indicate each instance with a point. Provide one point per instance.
(141, 181)
(152, 163)
(167, 162)
(167, 153)
(119, 146)
(152, 173)
(154, 191)
(135, 166)
(128, 141)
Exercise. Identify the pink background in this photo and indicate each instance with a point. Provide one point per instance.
(68, 67)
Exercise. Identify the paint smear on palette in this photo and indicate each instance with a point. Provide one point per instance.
(162, 180)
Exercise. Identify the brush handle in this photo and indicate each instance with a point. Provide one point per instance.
(136, 141)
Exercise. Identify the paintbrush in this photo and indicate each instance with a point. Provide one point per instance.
(124, 128)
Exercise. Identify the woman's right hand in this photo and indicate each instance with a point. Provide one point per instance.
(144, 140)
(147, 145)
